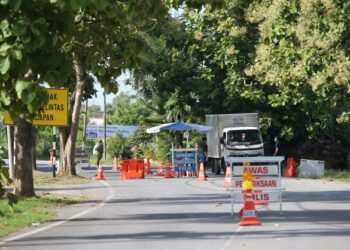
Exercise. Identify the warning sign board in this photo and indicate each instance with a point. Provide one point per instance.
(259, 196)
(256, 170)
(258, 183)
(55, 112)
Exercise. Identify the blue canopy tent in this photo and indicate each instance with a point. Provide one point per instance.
(179, 126)
(184, 160)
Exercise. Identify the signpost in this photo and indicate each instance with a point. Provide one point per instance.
(266, 181)
(54, 113)
(95, 131)
(184, 159)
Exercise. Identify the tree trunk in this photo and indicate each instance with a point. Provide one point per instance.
(23, 181)
(33, 149)
(68, 136)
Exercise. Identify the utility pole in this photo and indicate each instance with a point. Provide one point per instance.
(104, 124)
(10, 151)
(54, 151)
(85, 124)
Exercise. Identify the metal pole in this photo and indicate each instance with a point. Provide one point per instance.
(13, 136)
(10, 151)
(54, 151)
(85, 124)
(104, 124)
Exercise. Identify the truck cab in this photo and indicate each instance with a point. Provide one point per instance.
(241, 142)
(233, 135)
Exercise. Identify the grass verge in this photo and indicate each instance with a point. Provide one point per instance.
(337, 175)
(46, 179)
(31, 211)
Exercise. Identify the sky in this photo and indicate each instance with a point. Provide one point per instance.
(122, 88)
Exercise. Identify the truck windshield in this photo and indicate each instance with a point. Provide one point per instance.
(243, 137)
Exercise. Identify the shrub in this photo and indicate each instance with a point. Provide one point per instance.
(325, 149)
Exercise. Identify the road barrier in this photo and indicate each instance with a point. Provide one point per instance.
(133, 169)
(266, 181)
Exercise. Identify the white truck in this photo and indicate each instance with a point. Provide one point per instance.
(233, 135)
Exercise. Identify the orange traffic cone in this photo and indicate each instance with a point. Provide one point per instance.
(201, 175)
(148, 167)
(290, 171)
(168, 170)
(115, 165)
(100, 175)
(228, 176)
(159, 170)
(248, 212)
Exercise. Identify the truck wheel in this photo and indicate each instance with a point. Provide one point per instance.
(217, 167)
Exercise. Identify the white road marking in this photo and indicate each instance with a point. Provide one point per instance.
(86, 211)
(229, 240)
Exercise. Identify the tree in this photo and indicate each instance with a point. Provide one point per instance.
(50, 41)
(119, 147)
(128, 111)
(26, 59)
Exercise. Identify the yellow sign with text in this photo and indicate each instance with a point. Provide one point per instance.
(54, 113)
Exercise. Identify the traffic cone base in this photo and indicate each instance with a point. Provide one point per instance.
(248, 212)
(201, 175)
(249, 218)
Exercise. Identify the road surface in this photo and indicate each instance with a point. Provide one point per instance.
(183, 213)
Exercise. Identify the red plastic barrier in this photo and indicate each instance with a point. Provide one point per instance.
(133, 169)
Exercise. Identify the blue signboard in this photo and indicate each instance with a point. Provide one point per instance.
(95, 131)
(185, 160)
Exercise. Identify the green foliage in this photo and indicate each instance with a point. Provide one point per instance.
(5, 180)
(139, 142)
(119, 147)
(36, 210)
(161, 149)
(288, 60)
(128, 111)
(44, 142)
(337, 175)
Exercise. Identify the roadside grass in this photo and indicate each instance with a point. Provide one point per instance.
(32, 211)
(337, 175)
(46, 179)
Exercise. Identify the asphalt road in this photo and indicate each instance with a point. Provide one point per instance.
(183, 213)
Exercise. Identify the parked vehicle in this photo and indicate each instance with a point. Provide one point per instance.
(233, 135)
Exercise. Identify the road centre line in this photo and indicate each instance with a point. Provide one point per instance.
(86, 211)
(229, 240)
